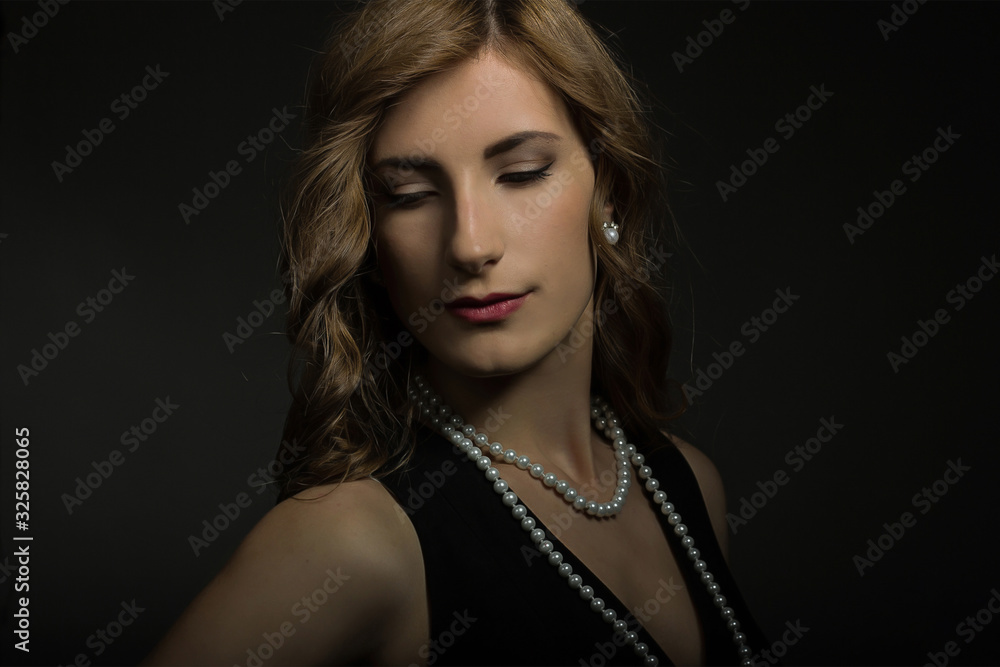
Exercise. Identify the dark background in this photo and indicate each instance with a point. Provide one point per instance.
(162, 336)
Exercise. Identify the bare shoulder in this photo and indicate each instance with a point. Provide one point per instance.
(710, 483)
(334, 571)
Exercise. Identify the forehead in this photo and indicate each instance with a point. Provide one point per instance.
(457, 112)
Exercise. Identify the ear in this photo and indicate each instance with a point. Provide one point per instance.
(608, 212)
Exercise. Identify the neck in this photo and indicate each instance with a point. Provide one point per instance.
(542, 412)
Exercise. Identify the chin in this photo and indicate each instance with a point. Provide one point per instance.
(487, 360)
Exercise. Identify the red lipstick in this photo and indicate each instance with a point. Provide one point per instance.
(490, 308)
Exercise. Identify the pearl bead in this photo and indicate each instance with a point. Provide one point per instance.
(469, 430)
(673, 518)
(611, 235)
(580, 503)
(483, 463)
(549, 479)
(645, 472)
(519, 512)
(509, 499)
(482, 439)
(667, 508)
(700, 565)
(536, 470)
(509, 456)
(719, 601)
(545, 546)
(687, 542)
(621, 626)
(650, 661)
(561, 486)
(565, 569)
(492, 474)
(609, 615)
(528, 524)
(597, 604)
(680, 529)
(638, 459)
(555, 558)
(652, 484)
(500, 486)
(574, 581)
(693, 553)
(473, 452)
(640, 649)
(630, 638)
(537, 535)
(496, 449)
(523, 462)
(570, 495)
(586, 592)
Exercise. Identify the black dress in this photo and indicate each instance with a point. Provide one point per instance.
(495, 600)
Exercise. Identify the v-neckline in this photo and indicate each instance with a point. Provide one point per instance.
(589, 577)
(703, 606)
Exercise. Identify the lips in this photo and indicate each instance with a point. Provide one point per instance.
(490, 308)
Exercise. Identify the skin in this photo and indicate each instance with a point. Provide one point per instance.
(472, 225)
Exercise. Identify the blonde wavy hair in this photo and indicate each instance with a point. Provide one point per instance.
(350, 414)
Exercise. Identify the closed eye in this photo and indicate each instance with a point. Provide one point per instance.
(514, 178)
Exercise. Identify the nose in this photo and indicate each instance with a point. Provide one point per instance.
(477, 234)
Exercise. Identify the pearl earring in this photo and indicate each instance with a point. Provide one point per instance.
(610, 228)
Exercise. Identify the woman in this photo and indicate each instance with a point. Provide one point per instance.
(472, 216)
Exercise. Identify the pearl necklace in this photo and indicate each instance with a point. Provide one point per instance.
(473, 444)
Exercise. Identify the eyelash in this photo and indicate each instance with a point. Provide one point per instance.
(519, 178)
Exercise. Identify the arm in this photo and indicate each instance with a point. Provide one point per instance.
(336, 578)
(710, 484)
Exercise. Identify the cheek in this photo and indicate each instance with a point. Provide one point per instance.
(405, 261)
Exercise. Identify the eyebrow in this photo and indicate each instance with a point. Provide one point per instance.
(491, 151)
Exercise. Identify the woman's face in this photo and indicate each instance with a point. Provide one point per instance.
(483, 191)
